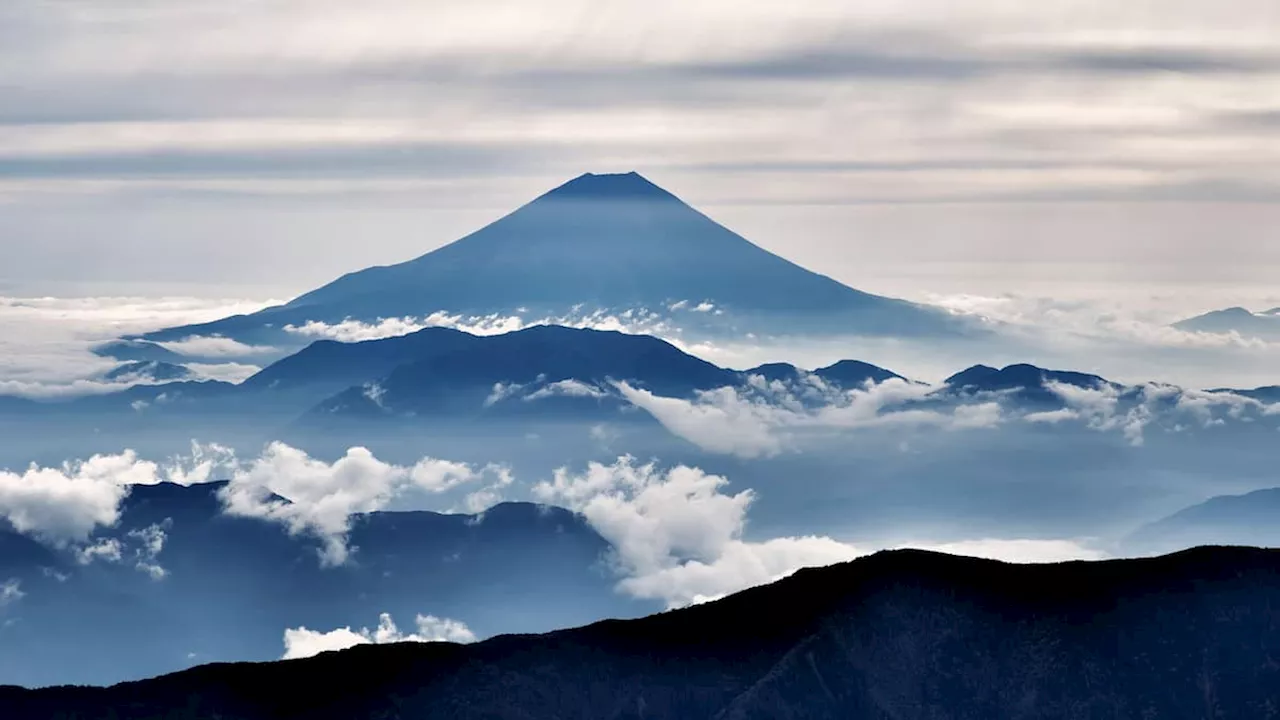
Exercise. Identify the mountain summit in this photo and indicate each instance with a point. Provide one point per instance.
(610, 242)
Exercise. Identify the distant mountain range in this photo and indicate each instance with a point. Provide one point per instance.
(543, 371)
(1263, 325)
(608, 242)
(903, 634)
(234, 584)
(1249, 519)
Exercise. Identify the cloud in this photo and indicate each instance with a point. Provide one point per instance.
(46, 342)
(1016, 551)
(677, 537)
(142, 546)
(64, 505)
(721, 421)
(106, 550)
(763, 419)
(1131, 411)
(357, 331)
(231, 372)
(150, 540)
(314, 497)
(303, 643)
(214, 346)
(204, 463)
(635, 320)
(566, 388)
(11, 591)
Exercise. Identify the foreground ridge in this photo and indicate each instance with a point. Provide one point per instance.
(899, 634)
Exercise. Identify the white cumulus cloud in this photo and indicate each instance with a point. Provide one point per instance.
(676, 535)
(310, 496)
(302, 642)
(63, 505)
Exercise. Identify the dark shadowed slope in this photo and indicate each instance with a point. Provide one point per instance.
(1026, 382)
(600, 241)
(903, 634)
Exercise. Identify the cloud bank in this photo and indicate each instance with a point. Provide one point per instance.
(46, 342)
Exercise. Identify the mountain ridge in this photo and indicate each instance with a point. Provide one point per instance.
(947, 636)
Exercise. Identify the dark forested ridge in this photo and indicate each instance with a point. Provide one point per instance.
(898, 635)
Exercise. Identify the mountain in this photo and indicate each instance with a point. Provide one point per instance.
(1268, 394)
(532, 367)
(332, 365)
(137, 351)
(1263, 326)
(854, 373)
(902, 634)
(1252, 518)
(1026, 382)
(232, 585)
(148, 370)
(614, 241)
(845, 373)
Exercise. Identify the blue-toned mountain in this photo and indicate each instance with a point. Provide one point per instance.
(600, 242)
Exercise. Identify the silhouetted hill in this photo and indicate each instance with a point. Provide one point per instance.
(784, 372)
(600, 242)
(855, 373)
(1026, 382)
(904, 634)
(845, 373)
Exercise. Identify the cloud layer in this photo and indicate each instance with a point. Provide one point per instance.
(45, 342)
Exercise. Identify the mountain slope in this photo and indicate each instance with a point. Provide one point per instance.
(601, 242)
(903, 634)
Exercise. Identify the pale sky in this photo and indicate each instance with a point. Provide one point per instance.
(255, 148)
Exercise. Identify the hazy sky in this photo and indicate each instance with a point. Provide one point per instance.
(258, 147)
